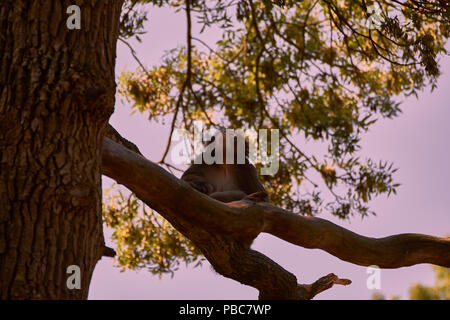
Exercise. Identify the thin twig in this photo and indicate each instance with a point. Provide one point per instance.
(133, 53)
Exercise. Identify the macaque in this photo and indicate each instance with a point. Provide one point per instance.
(225, 181)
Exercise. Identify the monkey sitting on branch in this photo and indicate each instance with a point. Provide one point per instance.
(224, 172)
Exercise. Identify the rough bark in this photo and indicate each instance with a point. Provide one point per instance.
(224, 232)
(57, 91)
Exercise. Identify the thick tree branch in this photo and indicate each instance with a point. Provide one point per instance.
(224, 232)
(390, 252)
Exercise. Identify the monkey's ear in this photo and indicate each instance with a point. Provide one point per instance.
(260, 196)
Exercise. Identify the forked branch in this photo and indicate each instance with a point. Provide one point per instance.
(224, 232)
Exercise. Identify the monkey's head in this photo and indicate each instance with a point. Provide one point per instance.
(234, 146)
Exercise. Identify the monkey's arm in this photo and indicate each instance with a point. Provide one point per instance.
(228, 196)
(195, 176)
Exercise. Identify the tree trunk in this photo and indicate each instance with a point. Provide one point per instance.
(57, 91)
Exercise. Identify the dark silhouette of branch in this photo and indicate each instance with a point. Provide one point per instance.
(224, 232)
(109, 252)
(133, 53)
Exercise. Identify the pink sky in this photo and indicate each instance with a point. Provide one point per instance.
(417, 142)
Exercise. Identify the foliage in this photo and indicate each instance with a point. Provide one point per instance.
(145, 239)
(379, 296)
(440, 290)
(132, 20)
(312, 69)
